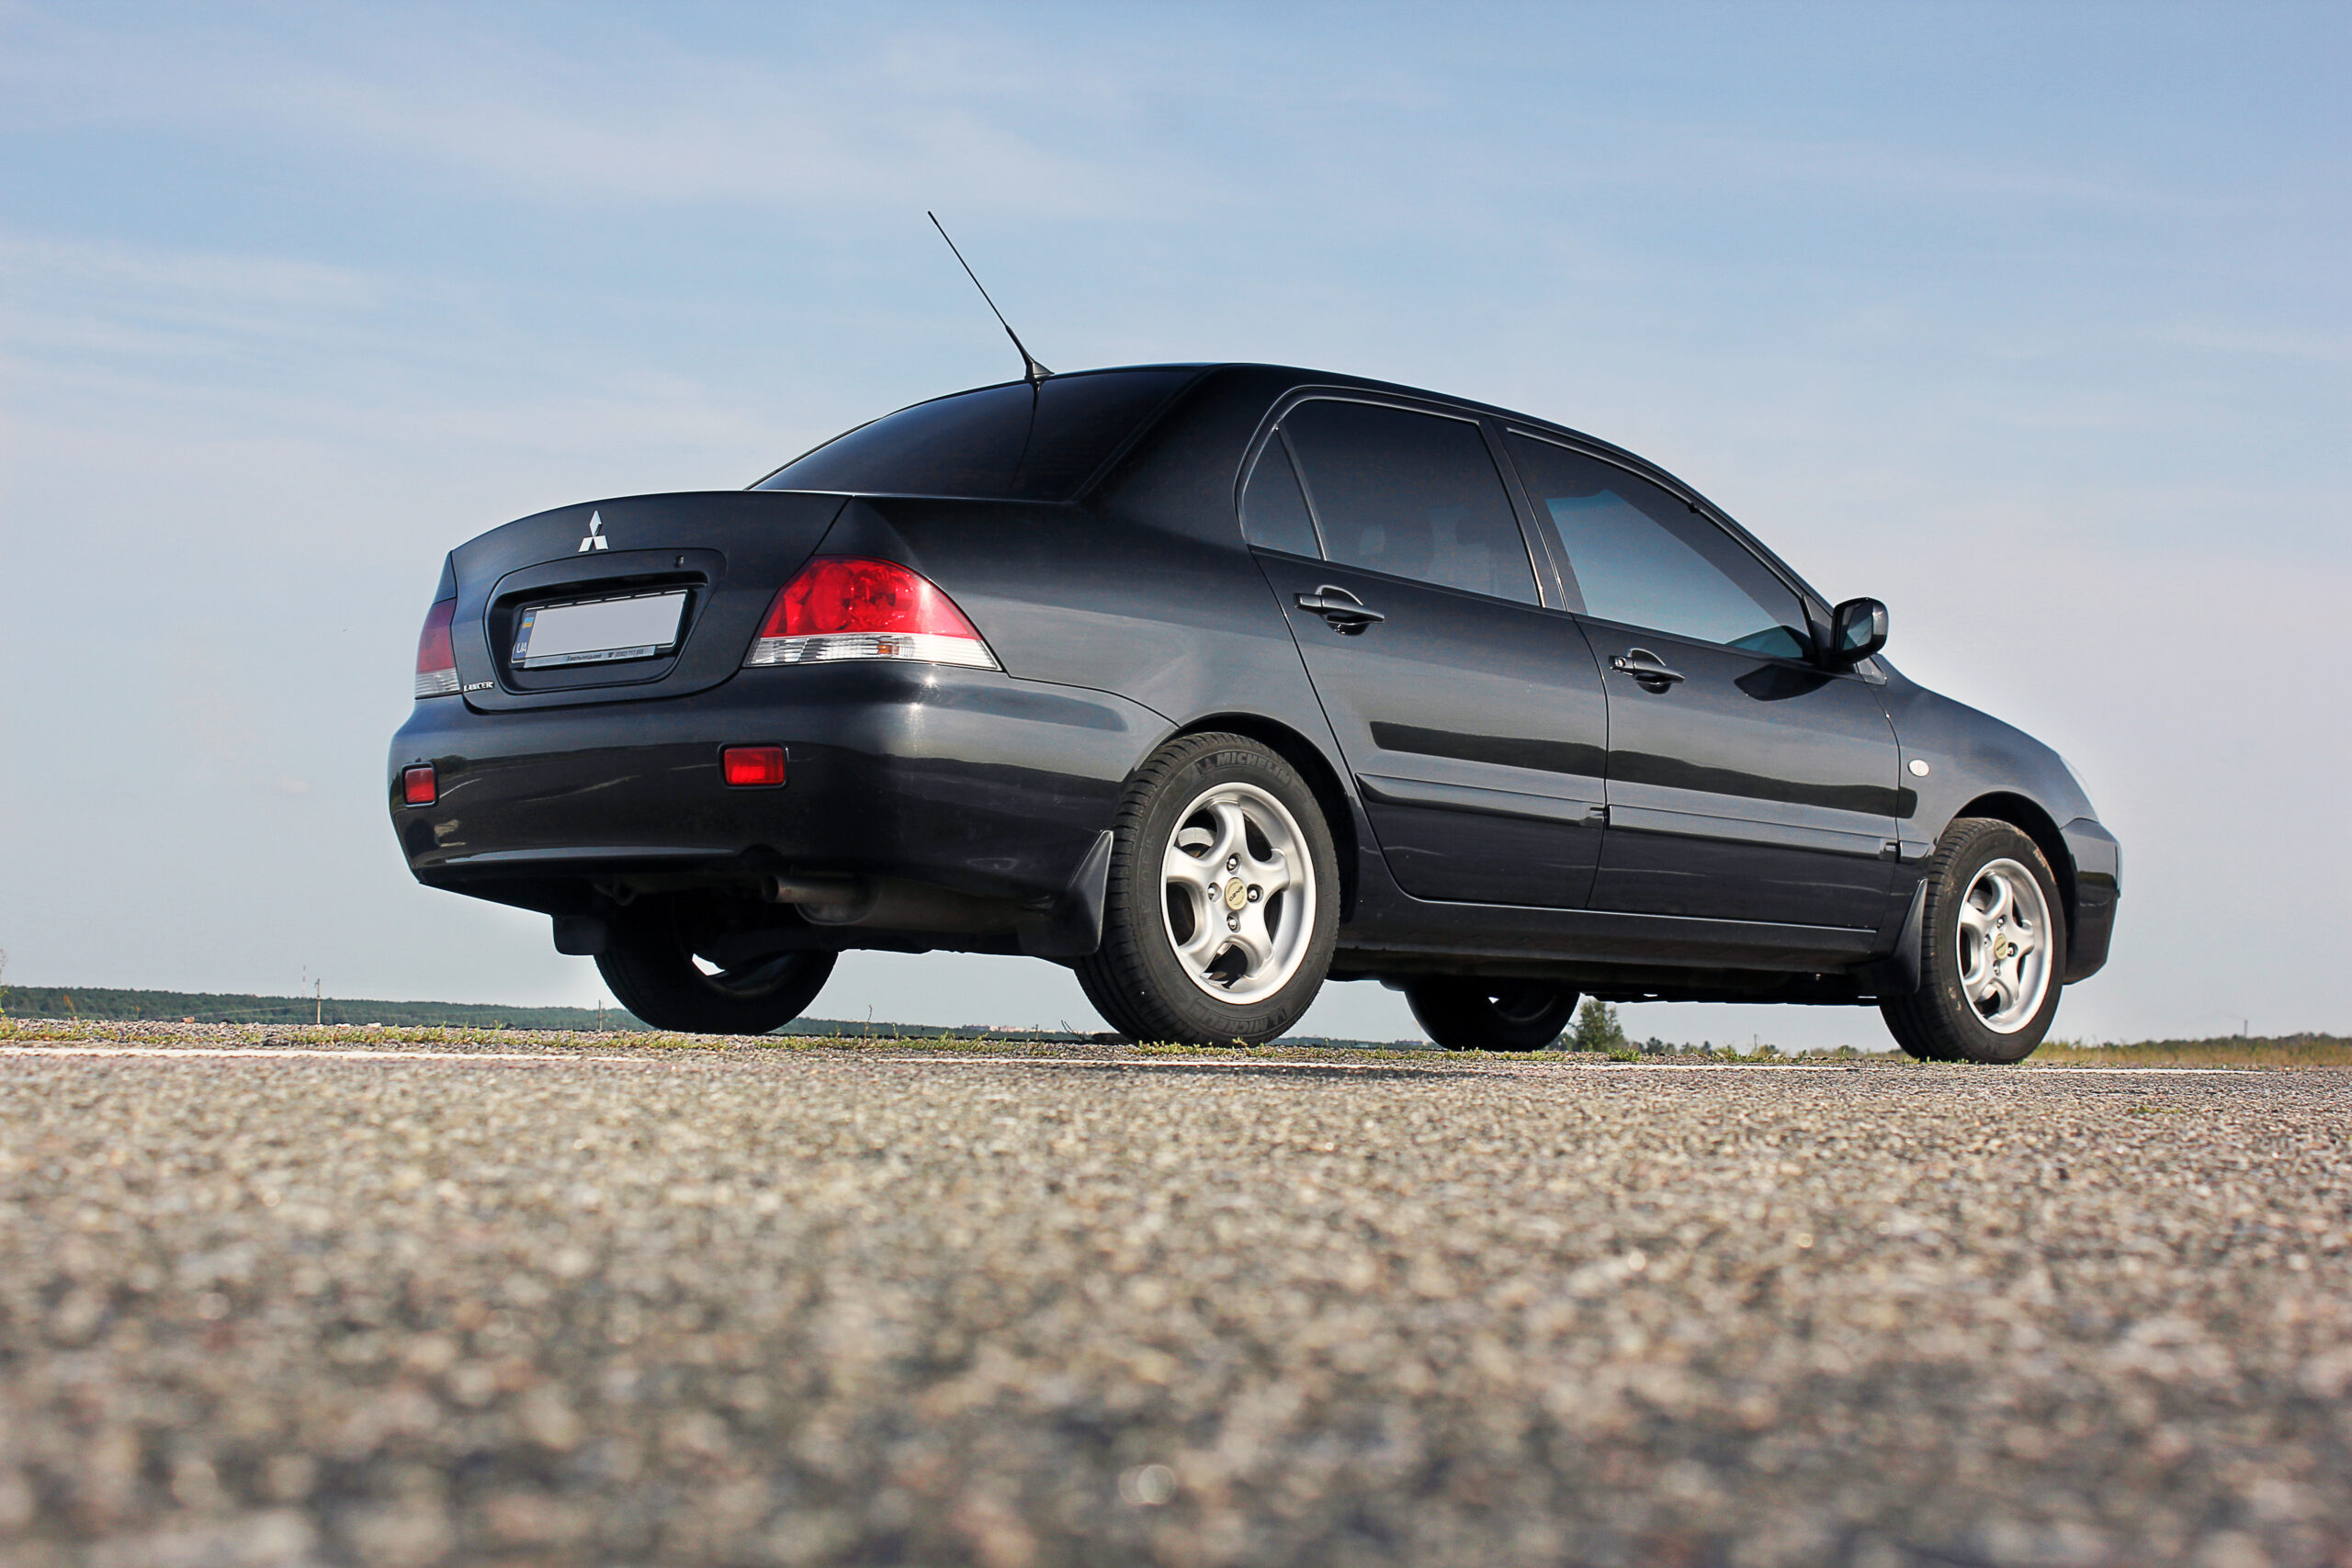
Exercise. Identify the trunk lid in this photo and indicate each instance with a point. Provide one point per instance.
(726, 552)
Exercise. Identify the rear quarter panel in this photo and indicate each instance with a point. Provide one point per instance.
(1144, 590)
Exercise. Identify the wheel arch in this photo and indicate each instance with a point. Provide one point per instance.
(2035, 823)
(1339, 812)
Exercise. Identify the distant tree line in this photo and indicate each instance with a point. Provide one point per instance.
(102, 1004)
(99, 1002)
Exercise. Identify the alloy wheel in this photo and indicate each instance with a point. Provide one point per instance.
(1237, 893)
(2003, 950)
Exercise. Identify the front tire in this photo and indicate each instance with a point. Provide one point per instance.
(649, 962)
(1491, 1015)
(1223, 905)
(1992, 945)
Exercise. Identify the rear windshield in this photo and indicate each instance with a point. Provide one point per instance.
(1016, 442)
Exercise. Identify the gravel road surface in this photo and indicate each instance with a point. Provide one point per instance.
(619, 1305)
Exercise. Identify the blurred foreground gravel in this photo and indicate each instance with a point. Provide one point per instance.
(758, 1306)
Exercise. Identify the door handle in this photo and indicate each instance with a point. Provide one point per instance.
(1646, 667)
(1340, 609)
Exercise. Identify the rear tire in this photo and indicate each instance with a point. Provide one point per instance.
(1992, 947)
(648, 963)
(1223, 906)
(1491, 1015)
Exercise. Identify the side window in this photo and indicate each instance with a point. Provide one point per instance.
(1415, 494)
(1273, 513)
(1643, 556)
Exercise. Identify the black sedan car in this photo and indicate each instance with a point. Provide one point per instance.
(1213, 683)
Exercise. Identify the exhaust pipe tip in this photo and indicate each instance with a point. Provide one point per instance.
(827, 900)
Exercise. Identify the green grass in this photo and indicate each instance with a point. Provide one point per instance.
(34, 1012)
(631, 1034)
(967, 1042)
(2229, 1051)
(82, 1004)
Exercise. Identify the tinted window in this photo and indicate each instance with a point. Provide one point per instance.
(1641, 555)
(1411, 493)
(1273, 513)
(1017, 441)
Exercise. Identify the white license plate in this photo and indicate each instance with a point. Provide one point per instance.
(599, 631)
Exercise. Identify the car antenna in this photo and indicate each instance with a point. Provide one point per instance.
(1033, 372)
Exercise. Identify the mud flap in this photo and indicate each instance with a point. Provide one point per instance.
(1073, 927)
(582, 936)
(1898, 974)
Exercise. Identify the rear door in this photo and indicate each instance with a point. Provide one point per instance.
(1472, 717)
(1745, 783)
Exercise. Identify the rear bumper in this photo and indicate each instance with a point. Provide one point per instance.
(966, 779)
(2098, 886)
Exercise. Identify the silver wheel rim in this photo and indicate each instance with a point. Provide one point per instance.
(2004, 947)
(1237, 893)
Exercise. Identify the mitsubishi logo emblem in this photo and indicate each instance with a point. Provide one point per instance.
(596, 540)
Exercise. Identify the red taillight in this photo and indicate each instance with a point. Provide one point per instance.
(753, 767)
(436, 662)
(418, 786)
(843, 593)
(847, 607)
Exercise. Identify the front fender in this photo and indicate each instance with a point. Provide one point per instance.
(1977, 765)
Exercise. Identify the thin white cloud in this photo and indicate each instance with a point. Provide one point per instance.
(905, 116)
(910, 110)
(2225, 338)
(165, 273)
(77, 302)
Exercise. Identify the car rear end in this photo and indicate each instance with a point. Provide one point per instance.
(690, 697)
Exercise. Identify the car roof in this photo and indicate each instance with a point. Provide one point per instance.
(1301, 376)
(1280, 380)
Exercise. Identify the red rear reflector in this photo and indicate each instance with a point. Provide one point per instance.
(850, 607)
(418, 786)
(437, 660)
(753, 767)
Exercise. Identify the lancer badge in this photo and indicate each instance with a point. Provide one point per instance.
(596, 540)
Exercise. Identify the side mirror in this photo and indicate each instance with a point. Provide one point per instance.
(1856, 630)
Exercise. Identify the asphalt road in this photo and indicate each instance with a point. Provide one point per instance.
(755, 1306)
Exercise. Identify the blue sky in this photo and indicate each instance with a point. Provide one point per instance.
(2031, 319)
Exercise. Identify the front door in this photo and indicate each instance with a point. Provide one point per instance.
(1472, 717)
(1745, 783)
